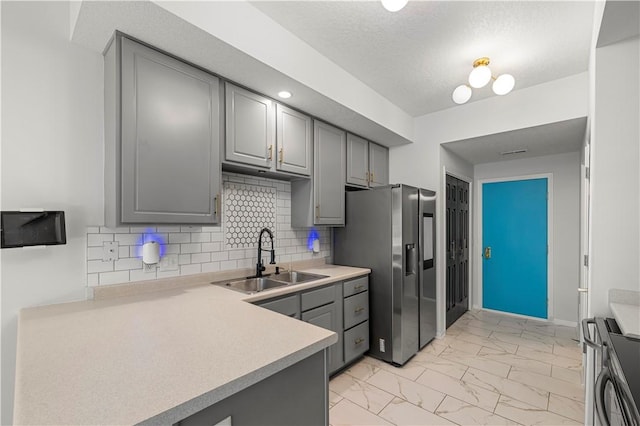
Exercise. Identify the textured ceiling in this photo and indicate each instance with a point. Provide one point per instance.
(417, 56)
(554, 138)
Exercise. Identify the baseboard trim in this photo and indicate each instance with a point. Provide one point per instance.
(565, 323)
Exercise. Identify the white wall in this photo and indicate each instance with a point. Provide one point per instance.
(51, 158)
(565, 259)
(615, 174)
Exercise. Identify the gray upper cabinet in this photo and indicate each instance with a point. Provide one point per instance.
(367, 163)
(357, 161)
(378, 165)
(162, 123)
(250, 127)
(329, 174)
(293, 141)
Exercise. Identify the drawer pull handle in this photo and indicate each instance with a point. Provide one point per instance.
(358, 310)
(359, 340)
(358, 287)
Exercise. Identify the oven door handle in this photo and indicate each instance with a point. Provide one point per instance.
(601, 383)
(587, 336)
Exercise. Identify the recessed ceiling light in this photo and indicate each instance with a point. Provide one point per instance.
(284, 94)
(515, 151)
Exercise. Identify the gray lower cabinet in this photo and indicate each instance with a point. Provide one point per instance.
(250, 127)
(296, 396)
(321, 201)
(162, 123)
(341, 307)
(367, 163)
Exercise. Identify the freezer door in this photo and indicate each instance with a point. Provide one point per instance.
(427, 269)
(405, 247)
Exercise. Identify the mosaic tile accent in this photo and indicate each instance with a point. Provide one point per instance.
(247, 209)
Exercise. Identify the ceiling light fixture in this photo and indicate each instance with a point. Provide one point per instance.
(394, 5)
(479, 77)
(284, 94)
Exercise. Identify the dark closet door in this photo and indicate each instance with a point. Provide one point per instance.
(457, 297)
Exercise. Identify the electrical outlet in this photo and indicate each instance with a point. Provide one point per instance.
(110, 251)
(169, 263)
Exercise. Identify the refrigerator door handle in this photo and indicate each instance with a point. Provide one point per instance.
(410, 259)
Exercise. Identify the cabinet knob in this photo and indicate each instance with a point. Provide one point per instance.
(270, 152)
(358, 340)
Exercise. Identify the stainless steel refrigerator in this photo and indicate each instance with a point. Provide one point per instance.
(391, 230)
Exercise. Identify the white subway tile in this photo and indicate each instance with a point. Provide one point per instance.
(283, 258)
(125, 251)
(134, 251)
(127, 239)
(172, 249)
(179, 237)
(201, 237)
(99, 266)
(96, 240)
(228, 264)
(211, 247)
(246, 263)
(190, 269)
(141, 229)
(290, 250)
(191, 248)
(93, 229)
(295, 257)
(114, 277)
(211, 267)
(168, 274)
(128, 263)
(218, 236)
(220, 255)
(184, 259)
(211, 229)
(200, 257)
(168, 229)
(122, 230)
(191, 228)
(236, 254)
(142, 275)
(94, 253)
(92, 280)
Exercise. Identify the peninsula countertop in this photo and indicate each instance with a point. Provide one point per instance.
(155, 357)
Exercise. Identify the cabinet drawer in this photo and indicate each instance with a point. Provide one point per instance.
(289, 306)
(357, 285)
(356, 309)
(356, 341)
(314, 298)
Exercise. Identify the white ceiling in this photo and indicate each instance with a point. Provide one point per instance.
(554, 138)
(417, 56)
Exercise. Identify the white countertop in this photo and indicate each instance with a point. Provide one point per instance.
(625, 306)
(156, 357)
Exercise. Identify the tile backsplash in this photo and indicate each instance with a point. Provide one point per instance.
(250, 203)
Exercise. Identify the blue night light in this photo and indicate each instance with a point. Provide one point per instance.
(313, 236)
(150, 235)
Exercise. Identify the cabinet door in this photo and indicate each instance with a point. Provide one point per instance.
(357, 161)
(378, 165)
(329, 174)
(293, 140)
(326, 317)
(169, 147)
(250, 126)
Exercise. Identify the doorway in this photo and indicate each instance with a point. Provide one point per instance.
(457, 279)
(515, 247)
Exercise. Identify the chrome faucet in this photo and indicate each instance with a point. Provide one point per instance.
(260, 266)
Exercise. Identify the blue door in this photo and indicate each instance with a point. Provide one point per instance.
(514, 239)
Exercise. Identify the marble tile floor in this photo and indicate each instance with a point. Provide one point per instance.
(490, 369)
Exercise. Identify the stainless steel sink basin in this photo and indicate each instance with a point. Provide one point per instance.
(256, 285)
(295, 277)
(252, 285)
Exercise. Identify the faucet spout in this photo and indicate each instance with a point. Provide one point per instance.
(260, 266)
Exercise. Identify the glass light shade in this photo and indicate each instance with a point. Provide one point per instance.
(394, 5)
(284, 94)
(479, 76)
(503, 84)
(462, 94)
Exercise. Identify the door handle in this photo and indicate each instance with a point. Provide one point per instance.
(487, 252)
(410, 259)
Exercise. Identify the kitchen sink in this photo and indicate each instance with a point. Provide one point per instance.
(253, 285)
(258, 284)
(295, 277)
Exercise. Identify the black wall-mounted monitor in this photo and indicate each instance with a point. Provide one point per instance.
(36, 228)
